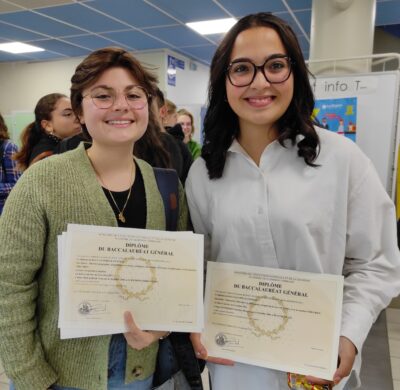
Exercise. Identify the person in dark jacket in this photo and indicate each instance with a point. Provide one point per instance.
(168, 116)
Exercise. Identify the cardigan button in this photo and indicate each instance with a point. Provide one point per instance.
(137, 371)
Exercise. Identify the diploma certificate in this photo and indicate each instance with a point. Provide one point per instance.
(105, 271)
(279, 319)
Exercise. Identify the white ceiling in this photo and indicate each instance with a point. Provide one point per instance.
(72, 28)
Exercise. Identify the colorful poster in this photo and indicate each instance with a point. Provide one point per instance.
(338, 115)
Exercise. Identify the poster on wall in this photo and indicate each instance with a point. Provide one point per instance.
(364, 108)
(171, 71)
(337, 115)
(173, 63)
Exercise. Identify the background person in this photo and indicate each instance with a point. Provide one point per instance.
(324, 123)
(186, 120)
(272, 190)
(9, 174)
(168, 116)
(102, 185)
(54, 120)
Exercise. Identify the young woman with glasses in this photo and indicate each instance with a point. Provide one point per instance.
(96, 184)
(273, 190)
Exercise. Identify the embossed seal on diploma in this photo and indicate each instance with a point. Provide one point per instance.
(91, 307)
(135, 278)
(264, 311)
(85, 308)
(221, 339)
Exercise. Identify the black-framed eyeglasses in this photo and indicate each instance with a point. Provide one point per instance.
(103, 98)
(276, 69)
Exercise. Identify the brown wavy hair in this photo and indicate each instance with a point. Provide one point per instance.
(32, 133)
(149, 147)
(3, 129)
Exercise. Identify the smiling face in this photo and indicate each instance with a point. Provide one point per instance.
(63, 122)
(260, 104)
(186, 122)
(120, 123)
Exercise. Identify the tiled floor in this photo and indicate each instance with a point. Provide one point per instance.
(393, 330)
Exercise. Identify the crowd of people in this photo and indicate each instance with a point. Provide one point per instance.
(267, 188)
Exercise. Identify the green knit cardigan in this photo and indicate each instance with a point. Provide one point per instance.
(52, 193)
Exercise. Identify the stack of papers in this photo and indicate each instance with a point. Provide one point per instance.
(105, 271)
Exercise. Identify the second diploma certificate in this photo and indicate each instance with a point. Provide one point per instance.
(104, 271)
(280, 319)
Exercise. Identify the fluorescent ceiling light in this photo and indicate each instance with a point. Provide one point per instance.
(212, 26)
(19, 47)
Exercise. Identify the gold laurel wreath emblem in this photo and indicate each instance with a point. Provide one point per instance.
(141, 294)
(273, 333)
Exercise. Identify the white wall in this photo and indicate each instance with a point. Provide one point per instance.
(191, 85)
(190, 91)
(154, 61)
(23, 83)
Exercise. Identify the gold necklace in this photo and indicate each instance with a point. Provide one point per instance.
(120, 215)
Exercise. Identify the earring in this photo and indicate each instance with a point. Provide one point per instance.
(53, 136)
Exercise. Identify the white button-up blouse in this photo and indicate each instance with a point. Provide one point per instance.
(335, 218)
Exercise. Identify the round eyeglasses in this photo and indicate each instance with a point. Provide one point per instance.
(276, 69)
(103, 98)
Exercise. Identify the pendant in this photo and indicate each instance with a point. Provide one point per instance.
(121, 217)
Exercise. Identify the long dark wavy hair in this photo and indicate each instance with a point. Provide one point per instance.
(221, 124)
(149, 146)
(33, 132)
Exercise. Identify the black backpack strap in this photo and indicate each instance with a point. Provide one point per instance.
(168, 185)
(190, 365)
(176, 351)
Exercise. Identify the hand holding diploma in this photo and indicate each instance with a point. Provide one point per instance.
(347, 355)
(139, 339)
(201, 351)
